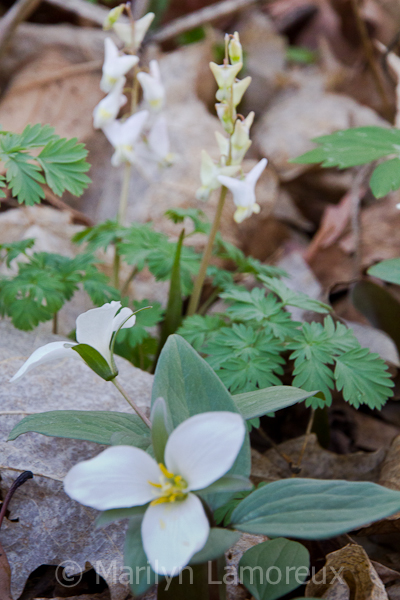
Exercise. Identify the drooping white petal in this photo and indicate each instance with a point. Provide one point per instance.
(116, 478)
(173, 532)
(124, 314)
(47, 353)
(204, 447)
(108, 108)
(115, 66)
(96, 326)
(243, 194)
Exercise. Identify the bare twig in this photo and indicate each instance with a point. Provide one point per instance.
(201, 17)
(357, 191)
(369, 54)
(19, 11)
(306, 440)
(86, 10)
(97, 14)
(78, 216)
(70, 71)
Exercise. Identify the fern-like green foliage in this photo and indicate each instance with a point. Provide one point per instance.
(60, 164)
(45, 282)
(249, 344)
(359, 146)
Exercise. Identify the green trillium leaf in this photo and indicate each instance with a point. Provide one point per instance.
(95, 361)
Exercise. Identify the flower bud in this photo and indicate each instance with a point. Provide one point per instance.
(225, 116)
(113, 16)
(239, 88)
(235, 49)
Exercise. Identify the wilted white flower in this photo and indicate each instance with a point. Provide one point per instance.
(133, 36)
(108, 108)
(123, 135)
(209, 175)
(115, 66)
(153, 89)
(95, 328)
(174, 527)
(243, 191)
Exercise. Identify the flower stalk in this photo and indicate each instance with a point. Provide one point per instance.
(129, 400)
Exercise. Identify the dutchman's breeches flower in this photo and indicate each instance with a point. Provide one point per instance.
(123, 136)
(209, 174)
(243, 191)
(174, 527)
(225, 76)
(153, 89)
(108, 108)
(115, 66)
(94, 328)
(133, 36)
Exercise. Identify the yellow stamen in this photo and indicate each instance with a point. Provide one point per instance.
(165, 471)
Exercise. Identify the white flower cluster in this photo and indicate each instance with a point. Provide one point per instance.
(145, 132)
(235, 144)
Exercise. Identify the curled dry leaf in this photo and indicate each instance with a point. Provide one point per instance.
(348, 573)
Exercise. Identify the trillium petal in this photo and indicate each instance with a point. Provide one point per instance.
(96, 326)
(173, 532)
(116, 478)
(47, 353)
(123, 314)
(204, 447)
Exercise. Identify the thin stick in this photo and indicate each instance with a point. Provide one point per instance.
(200, 17)
(198, 284)
(64, 73)
(141, 414)
(275, 446)
(357, 191)
(369, 54)
(19, 11)
(17, 483)
(307, 438)
(4, 468)
(55, 323)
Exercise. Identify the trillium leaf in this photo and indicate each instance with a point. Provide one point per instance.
(161, 427)
(90, 425)
(228, 483)
(95, 361)
(218, 542)
(260, 402)
(143, 576)
(117, 514)
(189, 386)
(313, 509)
(274, 568)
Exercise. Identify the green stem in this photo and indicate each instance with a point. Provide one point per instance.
(123, 202)
(125, 287)
(55, 322)
(116, 265)
(141, 414)
(198, 284)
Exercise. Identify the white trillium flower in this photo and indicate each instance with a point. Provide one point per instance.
(153, 89)
(158, 140)
(95, 328)
(123, 135)
(133, 36)
(243, 191)
(198, 453)
(108, 108)
(209, 175)
(115, 66)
